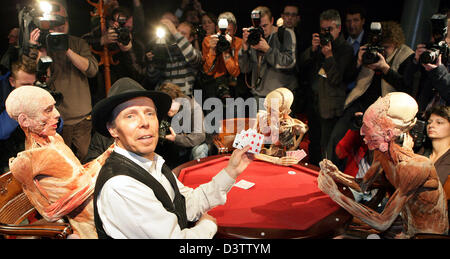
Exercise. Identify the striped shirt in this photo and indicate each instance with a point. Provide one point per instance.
(183, 65)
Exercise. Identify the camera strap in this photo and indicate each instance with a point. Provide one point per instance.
(258, 73)
(213, 65)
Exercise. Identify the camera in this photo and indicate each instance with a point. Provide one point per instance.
(57, 41)
(41, 78)
(159, 46)
(32, 17)
(223, 44)
(374, 47)
(256, 33)
(418, 133)
(439, 46)
(325, 37)
(433, 51)
(123, 33)
(199, 32)
(164, 129)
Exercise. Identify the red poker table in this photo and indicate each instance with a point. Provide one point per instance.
(285, 202)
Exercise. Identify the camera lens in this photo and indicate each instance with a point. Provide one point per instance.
(325, 39)
(255, 36)
(428, 57)
(370, 57)
(222, 45)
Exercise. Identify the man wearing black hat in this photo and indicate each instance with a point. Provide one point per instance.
(136, 194)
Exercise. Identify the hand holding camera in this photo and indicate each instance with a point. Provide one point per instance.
(323, 42)
(438, 49)
(255, 33)
(421, 49)
(315, 42)
(109, 37)
(380, 65)
(123, 33)
(371, 52)
(262, 46)
(221, 42)
(169, 25)
(54, 41)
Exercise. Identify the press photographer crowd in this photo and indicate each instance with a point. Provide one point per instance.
(193, 53)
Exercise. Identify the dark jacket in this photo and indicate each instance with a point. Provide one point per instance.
(339, 69)
(426, 85)
(277, 66)
(442, 165)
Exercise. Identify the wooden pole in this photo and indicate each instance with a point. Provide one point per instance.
(105, 55)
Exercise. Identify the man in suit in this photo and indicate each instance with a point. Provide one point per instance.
(355, 20)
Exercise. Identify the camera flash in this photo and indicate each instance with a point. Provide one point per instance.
(160, 32)
(375, 26)
(223, 24)
(45, 6)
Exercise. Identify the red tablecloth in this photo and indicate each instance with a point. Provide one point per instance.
(282, 198)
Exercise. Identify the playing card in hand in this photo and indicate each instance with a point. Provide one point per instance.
(255, 141)
(249, 137)
(237, 141)
(298, 154)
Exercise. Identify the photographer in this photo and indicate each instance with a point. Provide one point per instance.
(125, 41)
(271, 63)
(189, 143)
(380, 73)
(331, 64)
(70, 70)
(220, 55)
(190, 11)
(179, 61)
(12, 53)
(428, 73)
(132, 51)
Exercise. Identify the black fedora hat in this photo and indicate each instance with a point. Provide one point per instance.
(121, 91)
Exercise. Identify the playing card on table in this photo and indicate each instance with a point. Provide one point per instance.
(244, 184)
(298, 154)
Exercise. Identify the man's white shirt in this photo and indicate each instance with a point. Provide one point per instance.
(130, 209)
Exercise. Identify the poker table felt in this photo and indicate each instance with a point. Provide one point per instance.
(285, 202)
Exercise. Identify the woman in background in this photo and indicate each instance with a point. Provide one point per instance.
(437, 147)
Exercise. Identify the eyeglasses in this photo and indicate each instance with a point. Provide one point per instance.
(290, 14)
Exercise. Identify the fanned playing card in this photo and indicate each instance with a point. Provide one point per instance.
(256, 142)
(298, 154)
(237, 140)
(249, 137)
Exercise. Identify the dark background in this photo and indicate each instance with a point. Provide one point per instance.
(79, 11)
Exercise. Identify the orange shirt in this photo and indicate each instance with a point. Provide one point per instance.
(222, 67)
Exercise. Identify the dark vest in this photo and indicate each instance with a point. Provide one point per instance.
(116, 165)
